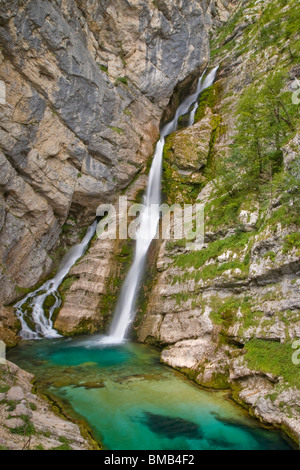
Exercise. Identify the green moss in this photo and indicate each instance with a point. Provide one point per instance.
(118, 130)
(84, 327)
(219, 381)
(208, 98)
(291, 241)
(62, 447)
(196, 259)
(225, 312)
(123, 80)
(103, 68)
(63, 440)
(23, 290)
(252, 319)
(58, 254)
(273, 357)
(108, 301)
(224, 209)
(66, 285)
(11, 405)
(271, 255)
(49, 302)
(66, 228)
(178, 187)
(190, 373)
(127, 112)
(27, 429)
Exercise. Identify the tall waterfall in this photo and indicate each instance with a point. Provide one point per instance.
(30, 310)
(149, 220)
(41, 325)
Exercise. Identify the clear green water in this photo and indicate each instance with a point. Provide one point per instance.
(132, 402)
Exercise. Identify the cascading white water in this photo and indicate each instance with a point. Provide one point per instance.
(149, 220)
(203, 83)
(42, 324)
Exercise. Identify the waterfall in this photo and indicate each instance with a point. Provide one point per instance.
(39, 324)
(149, 220)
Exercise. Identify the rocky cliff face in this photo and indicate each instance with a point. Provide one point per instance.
(229, 314)
(27, 420)
(84, 86)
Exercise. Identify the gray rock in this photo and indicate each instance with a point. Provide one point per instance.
(15, 394)
(21, 410)
(14, 423)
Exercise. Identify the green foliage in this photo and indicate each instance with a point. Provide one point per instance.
(11, 405)
(291, 241)
(66, 228)
(283, 215)
(127, 112)
(62, 447)
(27, 429)
(197, 259)
(266, 120)
(118, 130)
(273, 357)
(63, 440)
(289, 185)
(67, 283)
(108, 301)
(32, 406)
(104, 68)
(122, 80)
(49, 302)
(224, 209)
(225, 312)
(208, 98)
(270, 254)
(4, 388)
(278, 25)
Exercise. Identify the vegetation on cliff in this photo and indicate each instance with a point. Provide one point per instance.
(245, 277)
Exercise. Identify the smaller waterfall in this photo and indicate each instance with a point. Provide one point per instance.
(203, 83)
(149, 220)
(38, 321)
